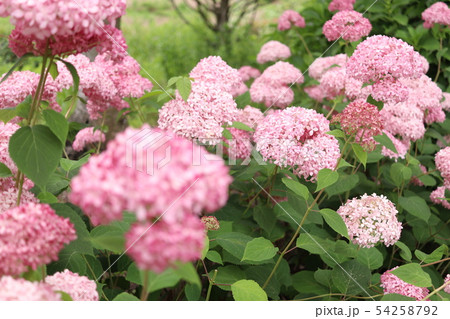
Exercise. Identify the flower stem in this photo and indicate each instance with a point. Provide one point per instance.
(439, 59)
(211, 284)
(436, 291)
(306, 45)
(144, 293)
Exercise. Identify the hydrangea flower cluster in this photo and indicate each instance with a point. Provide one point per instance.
(289, 18)
(442, 160)
(446, 102)
(370, 220)
(321, 65)
(362, 120)
(447, 288)
(86, 137)
(273, 51)
(391, 284)
(79, 288)
(272, 89)
(295, 137)
(383, 60)
(340, 5)
(348, 24)
(247, 72)
(158, 246)
(109, 183)
(438, 197)
(211, 223)
(21, 84)
(105, 82)
(438, 13)
(22, 290)
(404, 120)
(66, 26)
(31, 235)
(240, 146)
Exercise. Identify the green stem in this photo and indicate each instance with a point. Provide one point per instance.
(436, 262)
(306, 46)
(93, 274)
(211, 284)
(436, 290)
(144, 293)
(439, 58)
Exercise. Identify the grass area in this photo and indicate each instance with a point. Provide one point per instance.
(165, 46)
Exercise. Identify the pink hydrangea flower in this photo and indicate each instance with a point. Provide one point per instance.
(273, 51)
(423, 92)
(348, 24)
(438, 13)
(211, 223)
(217, 73)
(371, 220)
(402, 147)
(181, 175)
(332, 83)
(340, 5)
(391, 284)
(362, 120)
(438, 197)
(315, 92)
(442, 160)
(355, 89)
(247, 72)
(31, 235)
(390, 90)
(158, 246)
(322, 65)
(79, 288)
(66, 26)
(9, 193)
(87, 136)
(447, 288)
(105, 82)
(289, 18)
(295, 137)
(21, 290)
(446, 103)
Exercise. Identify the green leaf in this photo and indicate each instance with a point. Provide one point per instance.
(205, 248)
(344, 163)
(360, 153)
(372, 101)
(351, 278)
(400, 173)
(296, 187)
(4, 171)
(189, 273)
(166, 279)
(259, 249)
(53, 70)
(23, 108)
(434, 256)
(248, 290)
(234, 243)
(335, 221)
(242, 126)
(108, 237)
(305, 283)
(413, 274)
(315, 244)
(416, 206)
(184, 87)
(227, 275)
(214, 256)
(326, 177)
(345, 183)
(336, 133)
(396, 297)
(192, 292)
(76, 82)
(57, 124)
(16, 65)
(371, 257)
(47, 197)
(36, 152)
(386, 142)
(401, 19)
(124, 296)
(7, 114)
(405, 252)
(69, 165)
(227, 134)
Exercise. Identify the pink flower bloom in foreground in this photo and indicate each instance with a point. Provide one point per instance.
(79, 288)
(273, 51)
(289, 18)
(66, 26)
(447, 288)
(442, 160)
(391, 284)
(438, 197)
(322, 65)
(217, 73)
(371, 220)
(350, 25)
(87, 136)
(22, 290)
(295, 138)
(402, 147)
(340, 5)
(137, 161)
(362, 120)
(158, 246)
(31, 235)
(437, 13)
(247, 72)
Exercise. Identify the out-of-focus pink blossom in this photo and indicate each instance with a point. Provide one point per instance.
(247, 72)
(348, 24)
(87, 136)
(321, 65)
(391, 284)
(289, 18)
(315, 92)
(438, 13)
(438, 197)
(79, 288)
(446, 103)
(340, 5)
(22, 290)
(442, 160)
(273, 51)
